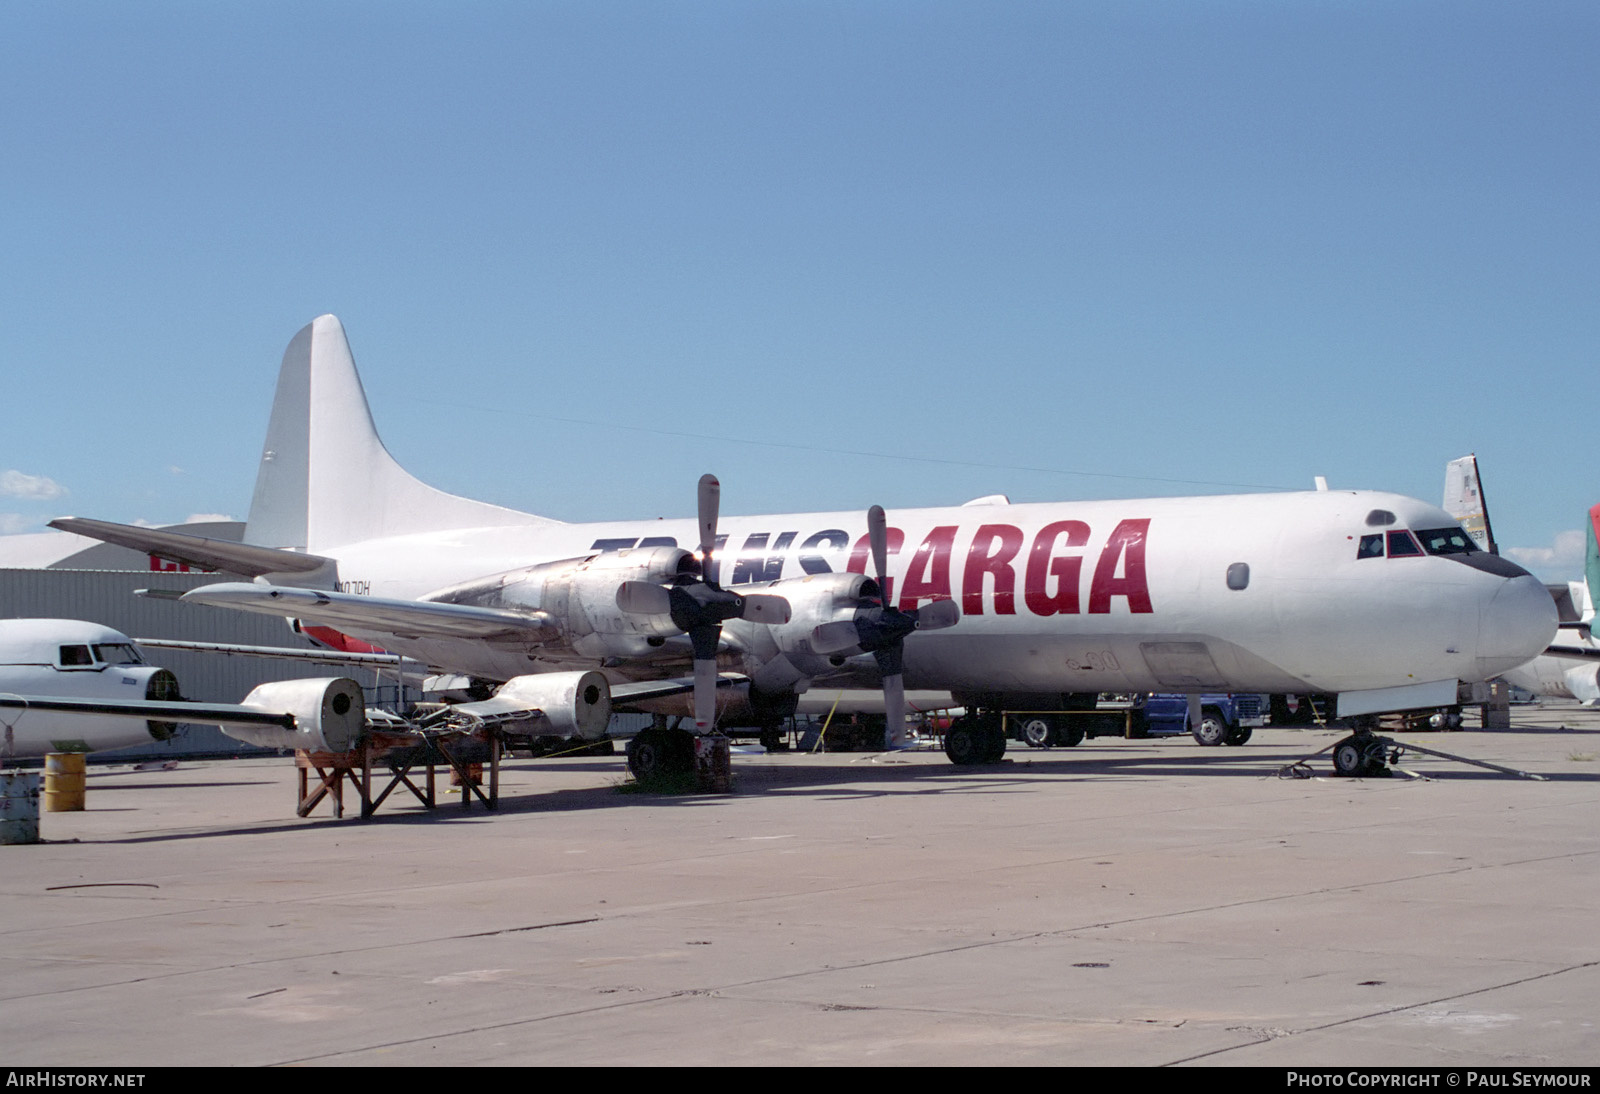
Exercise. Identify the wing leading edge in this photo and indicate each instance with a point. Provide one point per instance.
(374, 615)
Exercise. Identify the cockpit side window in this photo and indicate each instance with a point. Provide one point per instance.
(117, 653)
(1446, 541)
(74, 656)
(1401, 545)
(1371, 547)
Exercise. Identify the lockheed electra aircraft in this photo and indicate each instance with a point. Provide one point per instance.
(1380, 598)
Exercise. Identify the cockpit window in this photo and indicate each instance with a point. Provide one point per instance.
(1371, 547)
(76, 655)
(117, 653)
(1401, 545)
(1446, 541)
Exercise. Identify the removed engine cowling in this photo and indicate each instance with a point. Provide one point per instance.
(330, 715)
(557, 704)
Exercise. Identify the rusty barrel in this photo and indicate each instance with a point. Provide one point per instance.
(19, 807)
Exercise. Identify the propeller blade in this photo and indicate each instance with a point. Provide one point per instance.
(894, 711)
(937, 615)
(842, 634)
(878, 537)
(705, 696)
(765, 608)
(644, 598)
(710, 501)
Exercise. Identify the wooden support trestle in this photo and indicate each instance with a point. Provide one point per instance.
(400, 753)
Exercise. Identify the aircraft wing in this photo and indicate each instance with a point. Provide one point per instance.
(209, 554)
(152, 710)
(628, 696)
(377, 615)
(391, 661)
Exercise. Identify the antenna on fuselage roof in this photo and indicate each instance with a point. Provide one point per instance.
(1322, 483)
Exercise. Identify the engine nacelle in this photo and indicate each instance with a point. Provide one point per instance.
(813, 600)
(330, 715)
(569, 704)
(162, 687)
(580, 595)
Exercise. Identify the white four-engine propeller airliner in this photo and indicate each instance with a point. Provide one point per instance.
(1380, 598)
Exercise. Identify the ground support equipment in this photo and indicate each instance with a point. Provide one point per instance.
(464, 753)
(1365, 754)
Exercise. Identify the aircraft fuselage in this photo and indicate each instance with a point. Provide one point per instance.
(73, 659)
(1264, 592)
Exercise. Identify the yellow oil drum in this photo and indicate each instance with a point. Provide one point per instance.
(63, 782)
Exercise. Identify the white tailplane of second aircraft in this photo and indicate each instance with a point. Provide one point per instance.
(1378, 597)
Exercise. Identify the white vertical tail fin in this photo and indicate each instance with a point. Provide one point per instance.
(325, 478)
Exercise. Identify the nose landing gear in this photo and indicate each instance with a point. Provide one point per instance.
(1363, 754)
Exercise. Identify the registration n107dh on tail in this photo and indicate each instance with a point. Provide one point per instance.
(1380, 598)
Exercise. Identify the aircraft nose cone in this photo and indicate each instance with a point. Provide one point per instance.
(1516, 626)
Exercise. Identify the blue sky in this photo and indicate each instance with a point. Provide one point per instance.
(838, 253)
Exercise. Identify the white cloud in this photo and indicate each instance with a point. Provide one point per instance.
(1561, 560)
(15, 484)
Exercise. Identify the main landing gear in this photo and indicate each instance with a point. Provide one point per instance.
(656, 753)
(976, 739)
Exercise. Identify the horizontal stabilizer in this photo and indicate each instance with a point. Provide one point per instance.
(371, 615)
(209, 554)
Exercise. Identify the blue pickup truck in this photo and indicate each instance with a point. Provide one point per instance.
(1224, 719)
